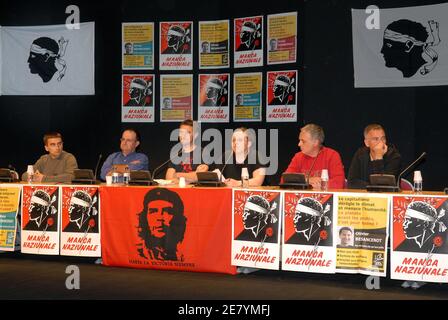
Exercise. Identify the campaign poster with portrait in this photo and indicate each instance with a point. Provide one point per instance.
(247, 96)
(248, 42)
(137, 97)
(309, 224)
(176, 45)
(80, 222)
(40, 219)
(282, 38)
(213, 97)
(184, 229)
(256, 220)
(362, 233)
(176, 97)
(281, 96)
(213, 44)
(9, 208)
(419, 239)
(137, 46)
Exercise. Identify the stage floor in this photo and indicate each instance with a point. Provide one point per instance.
(44, 277)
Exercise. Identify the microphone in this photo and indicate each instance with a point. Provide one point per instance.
(412, 165)
(97, 165)
(161, 166)
(225, 164)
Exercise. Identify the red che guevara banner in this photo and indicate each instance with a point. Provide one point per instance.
(167, 228)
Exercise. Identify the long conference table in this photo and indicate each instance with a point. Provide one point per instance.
(206, 242)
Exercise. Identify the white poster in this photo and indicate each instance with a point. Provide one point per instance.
(48, 60)
(401, 47)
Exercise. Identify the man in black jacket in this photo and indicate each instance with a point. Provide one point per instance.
(376, 157)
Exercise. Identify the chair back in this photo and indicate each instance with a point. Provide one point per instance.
(406, 185)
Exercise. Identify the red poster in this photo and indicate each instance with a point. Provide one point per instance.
(167, 228)
(80, 227)
(256, 229)
(40, 219)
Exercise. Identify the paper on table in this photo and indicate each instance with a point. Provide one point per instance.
(163, 182)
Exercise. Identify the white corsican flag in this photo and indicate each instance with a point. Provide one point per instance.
(401, 47)
(48, 60)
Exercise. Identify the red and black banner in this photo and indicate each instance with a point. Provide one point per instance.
(167, 228)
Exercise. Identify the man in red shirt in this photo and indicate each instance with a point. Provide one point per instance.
(314, 157)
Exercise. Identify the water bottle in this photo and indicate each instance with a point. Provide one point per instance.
(115, 175)
(126, 176)
(418, 182)
(244, 178)
(30, 172)
(324, 180)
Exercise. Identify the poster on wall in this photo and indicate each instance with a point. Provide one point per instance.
(363, 222)
(9, 208)
(137, 97)
(281, 96)
(137, 46)
(213, 98)
(309, 224)
(282, 38)
(419, 239)
(176, 97)
(256, 228)
(247, 96)
(176, 45)
(248, 42)
(400, 47)
(80, 222)
(213, 44)
(40, 219)
(48, 60)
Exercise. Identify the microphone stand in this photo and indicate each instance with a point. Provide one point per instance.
(154, 183)
(97, 165)
(412, 165)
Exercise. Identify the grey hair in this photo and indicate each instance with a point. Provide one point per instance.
(316, 132)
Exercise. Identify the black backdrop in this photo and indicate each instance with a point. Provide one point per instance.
(413, 117)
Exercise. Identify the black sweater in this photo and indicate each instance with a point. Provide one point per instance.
(362, 167)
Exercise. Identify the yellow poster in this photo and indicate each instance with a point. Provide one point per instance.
(282, 38)
(362, 234)
(176, 97)
(247, 96)
(213, 44)
(9, 206)
(137, 46)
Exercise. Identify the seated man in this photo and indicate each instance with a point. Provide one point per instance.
(241, 157)
(376, 157)
(56, 166)
(127, 157)
(185, 166)
(314, 157)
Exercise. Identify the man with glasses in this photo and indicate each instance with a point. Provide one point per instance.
(376, 157)
(56, 166)
(127, 157)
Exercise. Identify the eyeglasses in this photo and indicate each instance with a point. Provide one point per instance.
(377, 139)
(126, 140)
